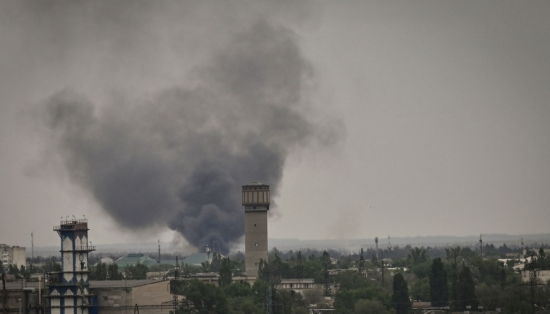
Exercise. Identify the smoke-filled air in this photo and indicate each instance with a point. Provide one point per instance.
(179, 157)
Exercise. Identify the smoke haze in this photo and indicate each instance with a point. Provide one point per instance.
(180, 157)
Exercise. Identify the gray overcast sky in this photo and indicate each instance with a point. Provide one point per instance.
(439, 110)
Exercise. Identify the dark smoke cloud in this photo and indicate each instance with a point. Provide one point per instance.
(180, 158)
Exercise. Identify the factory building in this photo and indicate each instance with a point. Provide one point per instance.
(110, 296)
(12, 255)
(256, 204)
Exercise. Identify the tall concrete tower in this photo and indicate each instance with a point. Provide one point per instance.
(69, 289)
(256, 205)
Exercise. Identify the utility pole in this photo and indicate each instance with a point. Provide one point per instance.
(300, 270)
(382, 278)
(32, 247)
(268, 297)
(361, 263)
(326, 286)
(208, 250)
(175, 296)
(159, 251)
(532, 280)
(480, 247)
(376, 241)
(502, 276)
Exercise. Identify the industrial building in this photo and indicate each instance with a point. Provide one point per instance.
(255, 199)
(110, 296)
(13, 255)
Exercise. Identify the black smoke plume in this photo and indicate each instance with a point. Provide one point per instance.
(180, 158)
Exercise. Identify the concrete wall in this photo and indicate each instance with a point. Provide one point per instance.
(255, 238)
(150, 298)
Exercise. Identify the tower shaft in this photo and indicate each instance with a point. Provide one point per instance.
(256, 204)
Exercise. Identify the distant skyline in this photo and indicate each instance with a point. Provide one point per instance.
(369, 118)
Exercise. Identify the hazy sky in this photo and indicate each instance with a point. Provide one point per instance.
(408, 118)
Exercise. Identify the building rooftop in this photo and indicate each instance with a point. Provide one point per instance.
(197, 258)
(134, 259)
(93, 284)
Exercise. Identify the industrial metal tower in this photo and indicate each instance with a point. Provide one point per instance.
(69, 291)
(256, 205)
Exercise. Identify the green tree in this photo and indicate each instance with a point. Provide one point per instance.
(518, 300)
(370, 307)
(422, 270)
(214, 265)
(139, 271)
(349, 280)
(23, 272)
(453, 255)
(325, 260)
(420, 289)
(542, 260)
(417, 256)
(299, 268)
(345, 299)
(490, 297)
(244, 305)
(205, 298)
(114, 273)
(225, 273)
(270, 272)
(13, 270)
(439, 293)
(400, 298)
(465, 290)
(99, 271)
(237, 289)
(287, 302)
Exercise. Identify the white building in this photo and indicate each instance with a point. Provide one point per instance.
(13, 255)
(542, 276)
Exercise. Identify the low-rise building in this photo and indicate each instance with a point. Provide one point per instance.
(541, 276)
(123, 296)
(109, 297)
(298, 285)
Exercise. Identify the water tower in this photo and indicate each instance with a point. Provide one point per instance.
(256, 205)
(69, 289)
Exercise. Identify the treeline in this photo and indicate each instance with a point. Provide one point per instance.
(460, 279)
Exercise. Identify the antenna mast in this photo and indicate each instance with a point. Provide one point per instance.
(159, 250)
(361, 263)
(480, 246)
(376, 241)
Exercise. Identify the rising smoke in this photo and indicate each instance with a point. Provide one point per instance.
(180, 158)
